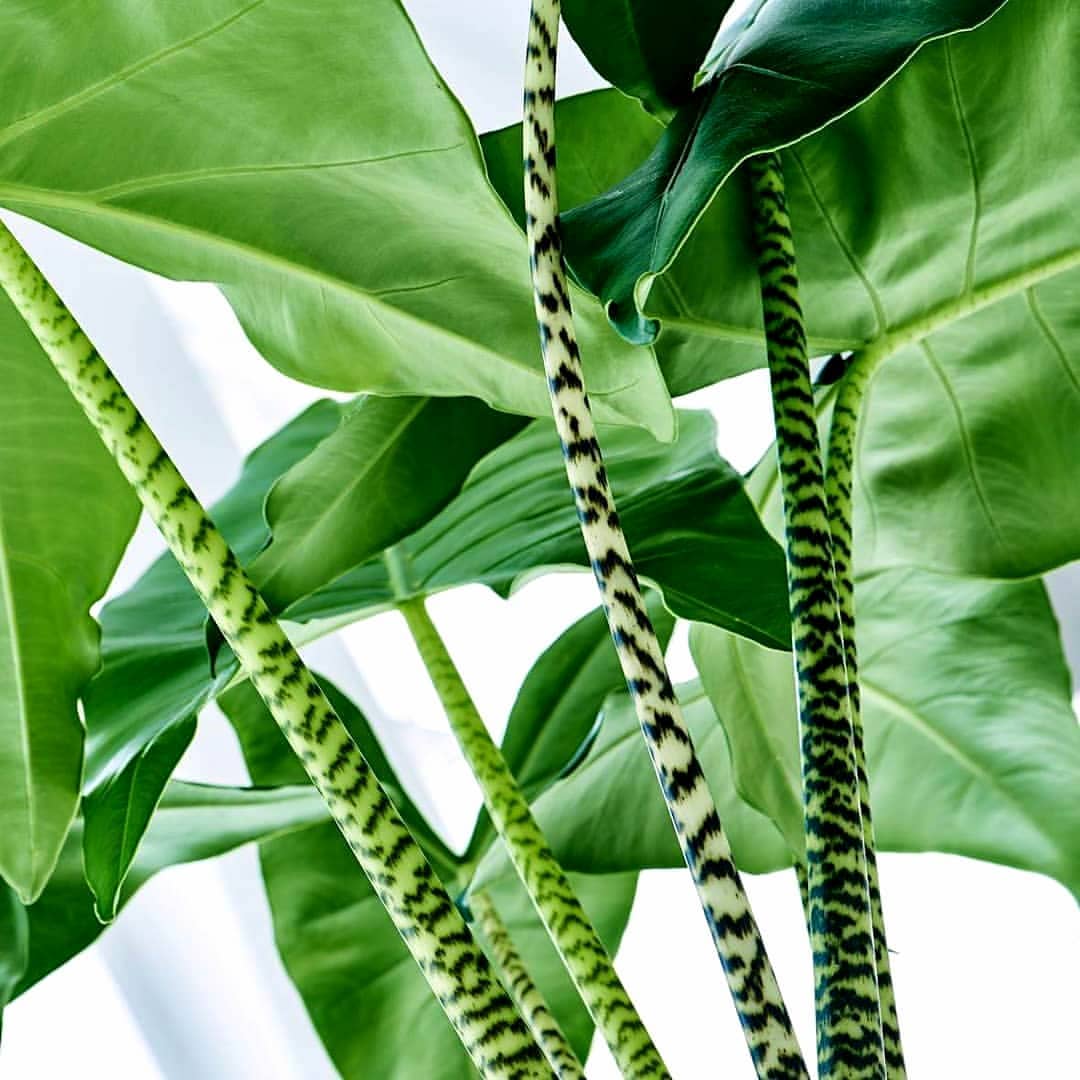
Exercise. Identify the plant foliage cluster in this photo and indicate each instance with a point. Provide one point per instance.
(311, 162)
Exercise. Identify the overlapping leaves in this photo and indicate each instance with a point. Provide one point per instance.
(512, 517)
(310, 160)
(778, 73)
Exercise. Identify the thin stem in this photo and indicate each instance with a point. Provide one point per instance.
(458, 972)
(841, 931)
(769, 1034)
(548, 887)
(509, 964)
(838, 491)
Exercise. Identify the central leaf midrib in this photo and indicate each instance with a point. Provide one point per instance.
(913, 330)
(15, 194)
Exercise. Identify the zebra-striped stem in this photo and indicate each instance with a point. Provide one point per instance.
(838, 491)
(526, 994)
(456, 969)
(567, 924)
(850, 1044)
(769, 1034)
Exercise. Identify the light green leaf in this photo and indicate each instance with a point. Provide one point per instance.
(691, 529)
(66, 515)
(972, 744)
(193, 821)
(555, 716)
(609, 816)
(782, 71)
(370, 482)
(310, 160)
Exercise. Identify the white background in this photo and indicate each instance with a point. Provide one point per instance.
(188, 985)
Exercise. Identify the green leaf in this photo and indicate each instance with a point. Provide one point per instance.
(784, 70)
(689, 524)
(976, 425)
(66, 515)
(194, 821)
(602, 135)
(608, 816)
(141, 708)
(648, 50)
(357, 980)
(311, 161)
(972, 744)
(561, 697)
(14, 944)
(555, 717)
(369, 483)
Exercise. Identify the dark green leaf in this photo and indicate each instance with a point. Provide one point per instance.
(390, 466)
(609, 816)
(783, 71)
(602, 135)
(66, 515)
(555, 715)
(972, 744)
(649, 50)
(690, 527)
(193, 821)
(141, 708)
(310, 160)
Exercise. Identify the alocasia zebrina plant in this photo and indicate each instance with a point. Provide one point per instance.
(910, 174)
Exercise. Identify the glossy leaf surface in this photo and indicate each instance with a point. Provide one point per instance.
(972, 744)
(648, 50)
(310, 160)
(780, 72)
(690, 527)
(390, 466)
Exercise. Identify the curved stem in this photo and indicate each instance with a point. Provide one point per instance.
(458, 972)
(548, 887)
(838, 491)
(526, 993)
(841, 932)
(768, 1030)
